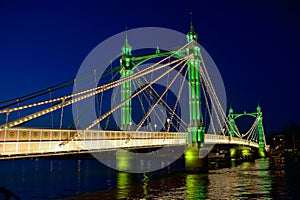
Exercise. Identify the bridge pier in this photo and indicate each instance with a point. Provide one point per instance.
(124, 160)
(246, 154)
(261, 153)
(196, 160)
(242, 153)
(233, 153)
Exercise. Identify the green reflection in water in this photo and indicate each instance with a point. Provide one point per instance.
(123, 185)
(247, 182)
(263, 166)
(145, 185)
(265, 177)
(124, 163)
(246, 165)
(261, 152)
(195, 186)
(233, 162)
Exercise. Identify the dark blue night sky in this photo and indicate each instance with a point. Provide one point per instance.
(255, 45)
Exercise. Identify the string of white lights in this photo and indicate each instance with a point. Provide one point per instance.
(132, 96)
(93, 89)
(74, 100)
(213, 101)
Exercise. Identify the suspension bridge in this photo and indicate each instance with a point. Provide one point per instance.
(132, 110)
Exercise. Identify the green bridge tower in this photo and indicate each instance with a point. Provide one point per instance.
(126, 71)
(258, 115)
(196, 127)
(231, 122)
(261, 134)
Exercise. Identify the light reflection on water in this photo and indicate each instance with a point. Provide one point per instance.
(89, 179)
(248, 180)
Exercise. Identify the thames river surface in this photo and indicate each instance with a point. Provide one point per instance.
(89, 179)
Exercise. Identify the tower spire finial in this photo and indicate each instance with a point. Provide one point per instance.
(192, 35)
(126, 35)
(126, 48)
(191, 23)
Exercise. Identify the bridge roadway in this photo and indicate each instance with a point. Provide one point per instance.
(16, 142)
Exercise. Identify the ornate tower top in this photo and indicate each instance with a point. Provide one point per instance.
(230, 110)
(192, 35)
(126, 48)
(258, 108)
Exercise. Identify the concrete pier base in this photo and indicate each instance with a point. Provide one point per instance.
(124, 160)
(261, 153)
(196, 160)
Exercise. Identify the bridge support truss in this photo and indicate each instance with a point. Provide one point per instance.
(258, 115)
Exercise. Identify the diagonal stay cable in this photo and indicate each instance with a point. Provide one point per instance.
(132, 96)
(161, 96)
(92, 92)
(165, 103)
(177, 100)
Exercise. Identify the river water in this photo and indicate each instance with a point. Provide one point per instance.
(89, 179)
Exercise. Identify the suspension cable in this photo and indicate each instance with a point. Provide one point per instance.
(61, 115)
(140, 100)
(165, 91)
(207, 107)
(178, 97)
(155, 112)
(87, 94)
(132, 96)
(51, 115)
(165, 103)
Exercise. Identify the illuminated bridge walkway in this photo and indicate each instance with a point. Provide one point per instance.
(23, 142)
(170, 102)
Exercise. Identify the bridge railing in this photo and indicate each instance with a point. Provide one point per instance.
(34, 141)
(221, 139)
(30, 141)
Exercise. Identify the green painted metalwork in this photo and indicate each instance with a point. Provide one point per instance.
(192, 35)
(126, 71)
(129, 63)
(231, 121)
(261, 141)
(257, 114)
(144, 58)
(196, 127)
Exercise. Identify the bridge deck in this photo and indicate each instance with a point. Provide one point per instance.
(28, 141)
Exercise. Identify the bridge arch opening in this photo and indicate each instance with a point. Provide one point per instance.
(244, 123)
